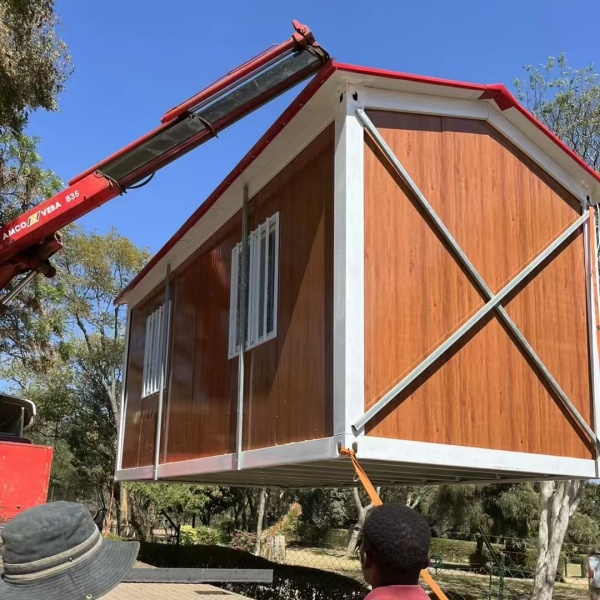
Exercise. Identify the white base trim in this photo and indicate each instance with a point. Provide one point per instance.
(135, 474)
(401, 461)
(291, 454)
(210, 464)
(482, 459)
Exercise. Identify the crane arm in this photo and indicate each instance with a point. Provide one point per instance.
(28, 242)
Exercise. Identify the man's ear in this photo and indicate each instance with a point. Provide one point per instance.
(367, 562)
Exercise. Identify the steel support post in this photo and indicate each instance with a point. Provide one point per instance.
(163, 370)
(242, 329)
(122, 413)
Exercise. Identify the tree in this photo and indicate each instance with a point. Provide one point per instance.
(558, 502)
(583, 530)
(567, 101)
(260, 519)
(512, 509)
(590, 502)
(79, 387)
(457, 508)
(179, 501)
(34, 63)
(324, 509)
(362, 510)
(31, 321)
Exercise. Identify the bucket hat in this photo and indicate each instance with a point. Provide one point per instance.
(56, 552)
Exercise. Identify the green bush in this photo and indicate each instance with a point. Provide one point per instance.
(190, 536)
(301, 583)
(337, 538)
(311, 534)
(583, 530)
(459, 551)
(521, 561)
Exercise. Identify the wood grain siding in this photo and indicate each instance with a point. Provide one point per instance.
(140, 418)
(502, 210)
(203, 382)
(289, 388)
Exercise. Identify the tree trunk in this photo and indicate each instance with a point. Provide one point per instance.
(363, 511)
(274, 549)
(123, 524)
(558, 501)
(261, 516)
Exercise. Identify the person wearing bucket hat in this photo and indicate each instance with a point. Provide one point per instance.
(56, 552)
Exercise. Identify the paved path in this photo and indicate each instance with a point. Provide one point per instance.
(169, 591)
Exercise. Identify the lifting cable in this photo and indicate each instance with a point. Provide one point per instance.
(376, 500)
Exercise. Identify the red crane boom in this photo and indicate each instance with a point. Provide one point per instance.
(28, 242)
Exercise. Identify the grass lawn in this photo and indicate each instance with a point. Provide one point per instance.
(458, 585)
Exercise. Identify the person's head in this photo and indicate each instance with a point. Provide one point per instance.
(395, 546)
(56, 552)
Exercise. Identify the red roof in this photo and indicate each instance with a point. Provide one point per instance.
(495, 92)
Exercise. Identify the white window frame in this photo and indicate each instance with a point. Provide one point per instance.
(255, 334)
(154, 353)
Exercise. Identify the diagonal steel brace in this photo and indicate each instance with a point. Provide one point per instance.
(493, 302)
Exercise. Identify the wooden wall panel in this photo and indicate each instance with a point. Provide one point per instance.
(140, 418)
(502, 210)
(203, 381)
(289, 379)
(131, 440)
(215, 376)
(178, 437)
(261, 381)
(289, 389)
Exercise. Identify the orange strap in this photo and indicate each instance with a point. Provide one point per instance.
(376, 500)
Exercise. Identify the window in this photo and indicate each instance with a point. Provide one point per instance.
(154, 352)
(261, 299)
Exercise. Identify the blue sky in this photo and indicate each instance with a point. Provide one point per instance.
(135, 59)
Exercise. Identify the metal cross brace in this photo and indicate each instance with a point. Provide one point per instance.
(493, 301)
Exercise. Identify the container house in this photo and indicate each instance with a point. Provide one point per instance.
(401, 264)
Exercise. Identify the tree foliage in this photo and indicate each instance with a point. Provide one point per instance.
(26, 329)
(75, 376)
(34, 62)
(567, 101)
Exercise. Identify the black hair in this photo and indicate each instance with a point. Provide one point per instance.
(397, 539)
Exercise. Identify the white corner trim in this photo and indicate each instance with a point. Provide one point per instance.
(348, 263)
(536, 154)
(135, 474)
(481, 459)
(591, 280)
(291, 454)
(378, 99)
